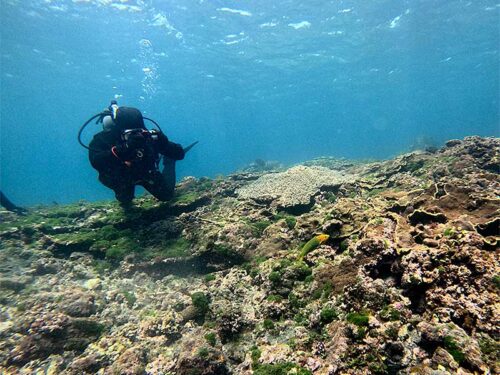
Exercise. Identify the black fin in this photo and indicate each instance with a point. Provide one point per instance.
(9, 206)
(186, 149)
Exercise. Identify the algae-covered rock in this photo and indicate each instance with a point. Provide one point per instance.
(460, 346)
(195, 356)
(213, 282)
(79, 304)
(131, 362)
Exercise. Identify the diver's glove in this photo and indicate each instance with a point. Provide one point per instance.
(169, 149)
(177, 151)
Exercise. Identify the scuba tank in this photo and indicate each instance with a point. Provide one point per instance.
(108, 120)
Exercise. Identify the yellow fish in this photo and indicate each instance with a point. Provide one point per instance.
(312, 244)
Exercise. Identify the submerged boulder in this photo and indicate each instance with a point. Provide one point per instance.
(294, 189)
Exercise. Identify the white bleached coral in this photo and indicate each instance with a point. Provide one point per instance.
(295, 186)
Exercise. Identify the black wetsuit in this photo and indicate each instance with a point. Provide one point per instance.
(123, 173)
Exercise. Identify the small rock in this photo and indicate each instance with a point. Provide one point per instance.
(87, 365)
(442, 357)
(79, 305)
(430, 242)
(93, 284)
(131, 362)
(46, 266)
(15, 284)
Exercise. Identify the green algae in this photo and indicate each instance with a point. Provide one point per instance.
(288, 271)
(374, 192)
(413, 165)
(115, 243)
(275, 277)
(390, 313)
(301, 319)
(300, 270)
(116, 250)
(328, 315)
(186, 198)
(295, 301)
(210, 324)
(343, 245)
(360, 319)
(268, 324)
(360, 334)
(255, 354)
(148, 313)
(454, 349)
(259, 226)
(89, 327)
(290, 220)
(292, 343)
(392, 332)
(274, 298)
(375, 363)
(13, 285)
(280, 369)
(490, 349)
(112, 234)
(323, 291)
(101, 266)
(496, 281)
(129, 297)
(209, 277)
(449, 232)
(211, 338)
(45, 218)
(203, 352)
(225, 251)
(173, 248)
(201, 303)
(120, 248)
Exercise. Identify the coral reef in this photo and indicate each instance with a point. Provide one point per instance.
(404, 280)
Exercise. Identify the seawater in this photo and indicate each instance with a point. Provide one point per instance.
(273, 80)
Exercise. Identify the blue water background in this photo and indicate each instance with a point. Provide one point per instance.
(276, 80)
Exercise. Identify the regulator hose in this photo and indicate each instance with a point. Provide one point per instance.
(154, 122)
(100, 115)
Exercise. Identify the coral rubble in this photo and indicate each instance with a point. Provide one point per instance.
(216, 281)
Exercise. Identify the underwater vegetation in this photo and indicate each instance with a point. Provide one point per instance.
(228, 278)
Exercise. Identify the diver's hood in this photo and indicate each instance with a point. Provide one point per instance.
(117, 119)
(129, 118)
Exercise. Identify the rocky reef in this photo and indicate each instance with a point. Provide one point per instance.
(215, 281)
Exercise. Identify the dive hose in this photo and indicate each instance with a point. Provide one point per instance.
(99, 117)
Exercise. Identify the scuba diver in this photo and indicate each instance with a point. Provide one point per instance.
(126, 154)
